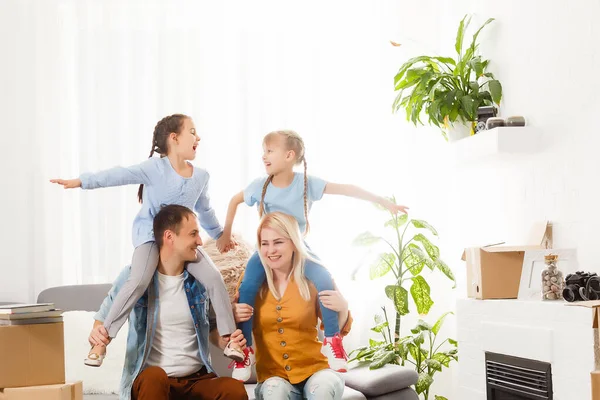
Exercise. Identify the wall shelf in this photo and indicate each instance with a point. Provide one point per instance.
(496, 142)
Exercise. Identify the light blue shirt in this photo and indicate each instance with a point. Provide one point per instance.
(289, 200)
(162, 186)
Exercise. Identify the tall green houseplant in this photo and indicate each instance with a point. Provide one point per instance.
(408, 253)
(448, 90)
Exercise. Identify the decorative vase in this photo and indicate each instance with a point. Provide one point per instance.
(553, 281)
(494, 122)
(516, 120)
(459, 130)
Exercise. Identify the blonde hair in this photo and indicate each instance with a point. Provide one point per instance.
(286, 226)
(293, 142)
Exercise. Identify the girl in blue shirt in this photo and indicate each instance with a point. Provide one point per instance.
(292, 193)
(168, 179)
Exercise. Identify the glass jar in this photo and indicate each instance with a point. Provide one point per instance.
(553, 281)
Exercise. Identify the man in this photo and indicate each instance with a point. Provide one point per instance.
(167, 354)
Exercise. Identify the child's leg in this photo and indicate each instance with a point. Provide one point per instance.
(143, 266)
(254, 277)
(207, 273)
(321, 278)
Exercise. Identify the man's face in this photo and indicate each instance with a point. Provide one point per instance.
(188, 239)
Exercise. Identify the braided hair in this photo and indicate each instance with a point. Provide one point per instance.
(162, 130)
(294, 142)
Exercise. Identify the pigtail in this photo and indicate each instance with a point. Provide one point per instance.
(261, 209)
(307, 228)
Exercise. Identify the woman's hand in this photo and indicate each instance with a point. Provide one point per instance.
(242, 312)
(67, 183)
(333, 300)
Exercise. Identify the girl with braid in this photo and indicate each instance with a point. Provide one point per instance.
(292, 193)
(168, 179)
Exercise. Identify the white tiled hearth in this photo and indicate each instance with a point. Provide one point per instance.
(545, 331)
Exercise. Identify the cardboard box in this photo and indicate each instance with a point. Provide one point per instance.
(32, 355)
(494, 271)
(63, 391)
(595, 375)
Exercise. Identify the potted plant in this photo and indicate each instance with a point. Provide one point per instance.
(449, 90)
(410, 251)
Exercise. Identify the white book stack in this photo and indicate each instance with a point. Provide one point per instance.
(28, 314)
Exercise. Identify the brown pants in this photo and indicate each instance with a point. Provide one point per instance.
(154, 384)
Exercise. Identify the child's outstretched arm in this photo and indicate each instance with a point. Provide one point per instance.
(224, 242)
(360, 193)
(117, 176)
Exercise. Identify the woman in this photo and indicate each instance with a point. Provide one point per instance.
(289, 363)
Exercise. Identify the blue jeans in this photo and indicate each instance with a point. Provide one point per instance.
(323, 385)
(255, 276)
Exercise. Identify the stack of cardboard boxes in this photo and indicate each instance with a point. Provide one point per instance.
(32, 361)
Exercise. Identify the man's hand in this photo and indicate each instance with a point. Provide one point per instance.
(99, 335)
(236, 338)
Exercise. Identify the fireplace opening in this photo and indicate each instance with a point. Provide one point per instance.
(515, 378)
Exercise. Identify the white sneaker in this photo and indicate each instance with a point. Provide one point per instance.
(235, 353)
(333, 349)
(243, 370)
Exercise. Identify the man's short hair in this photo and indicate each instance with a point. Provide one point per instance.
(169, 218)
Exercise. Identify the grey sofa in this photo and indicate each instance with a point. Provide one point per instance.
(389, 383)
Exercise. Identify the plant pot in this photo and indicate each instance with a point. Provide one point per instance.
(459, 131)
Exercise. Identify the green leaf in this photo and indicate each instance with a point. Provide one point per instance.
(474, 86)
(440, 397)
(412, 349)
(419, 339)
(441, 265)
(443, 358)
(495, 90)
(383, 359)
(380, 327)
(420, 293)
(469, 106)
(434, 364)
(423, 382)
(453, 342)
(477, 66)
(378, 319)
(420, 224)
(460, 34)
(438, 325)
(399, 296)
(422, 326)
(476, 34)
(432, 250)
(382, 266)
(365, 239)
(397, 222)
(375, 343)
(415, 259)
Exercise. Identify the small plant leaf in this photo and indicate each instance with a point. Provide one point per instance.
(438, 324)
(420, 293)
(423, 382)
(441, 265)
(434, 364)
(382, 265)
(432, 250)
(366, 239)
(383, 359)
(399, 296)
(420, 224)
(495, 90)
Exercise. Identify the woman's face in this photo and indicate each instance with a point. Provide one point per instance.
(276, 249)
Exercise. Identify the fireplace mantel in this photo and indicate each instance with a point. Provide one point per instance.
(546, 331)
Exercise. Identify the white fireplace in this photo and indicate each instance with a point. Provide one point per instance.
(548, 331)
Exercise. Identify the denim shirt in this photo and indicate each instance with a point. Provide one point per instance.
(142, 325)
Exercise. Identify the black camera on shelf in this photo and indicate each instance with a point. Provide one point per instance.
(582, 286)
